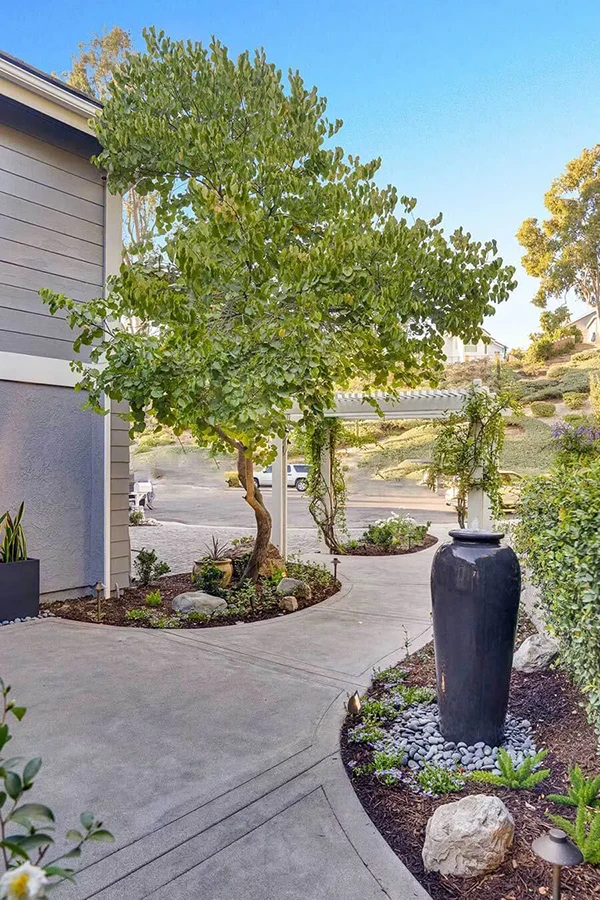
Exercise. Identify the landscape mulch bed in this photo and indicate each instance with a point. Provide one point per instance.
(85, 609)
(380, 550)
(552, 705)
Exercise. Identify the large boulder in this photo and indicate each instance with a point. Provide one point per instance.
(198, 602)
(272, 562)
(535, 653)
(294, 587)
(469, 837)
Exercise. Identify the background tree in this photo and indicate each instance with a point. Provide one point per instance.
(92, 69)
(283, 273)
(564, 250)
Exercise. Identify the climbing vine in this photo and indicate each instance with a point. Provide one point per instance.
(467, 447)
(327, 503)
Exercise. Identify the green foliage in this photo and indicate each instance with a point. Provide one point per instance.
(575, 381)
(154, 598)
(542, 410)
(573, 400)
(13, 546)
(582, 790)
(136, 516)
(562, 251)
(411, 695)
(558, 369)
(394, 675)
(327, 498)
(279, 270)
(437, 781)
(578, 419)
(556, 337)
(210, 579)
(232, 479)
(558, 540)
(595, 396)
(575, 445)
(26, 828)
(314, 573)
(585, 355)
(468, 446)
(368, 732)
(149, 567)
(139, 615)
(395, 531)
(585, 832)
(378, 711)
(534, 389)
(517, 777)
(197, 618)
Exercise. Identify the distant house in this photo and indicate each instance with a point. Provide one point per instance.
(456, 351)
(61, 229)
(588, 326)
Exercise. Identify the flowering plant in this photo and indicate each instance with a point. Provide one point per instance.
(396, 531)
(574, 444)
(26, 828)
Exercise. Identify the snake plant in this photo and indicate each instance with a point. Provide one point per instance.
(13, 547)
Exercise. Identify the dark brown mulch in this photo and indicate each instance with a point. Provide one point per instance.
(552, 705)
(85, 609)
(381, 550)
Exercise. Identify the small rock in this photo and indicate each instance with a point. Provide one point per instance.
(469, 837)
(535, 653)
(197, 601)
(293, 587)
(288, 604)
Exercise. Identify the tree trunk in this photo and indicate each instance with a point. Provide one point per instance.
(254, 499)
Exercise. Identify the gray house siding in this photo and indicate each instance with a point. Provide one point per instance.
(51, 456)
(52, 234)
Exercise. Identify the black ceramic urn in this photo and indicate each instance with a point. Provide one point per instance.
(475, 588)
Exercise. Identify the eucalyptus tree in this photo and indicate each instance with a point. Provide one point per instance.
(284, 270)
(563, 251)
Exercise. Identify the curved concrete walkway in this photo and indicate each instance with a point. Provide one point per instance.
(213, 754)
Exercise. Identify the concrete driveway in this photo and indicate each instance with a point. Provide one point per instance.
(213, 755)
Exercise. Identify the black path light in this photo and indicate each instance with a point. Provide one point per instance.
(336, 563)
(555, 847)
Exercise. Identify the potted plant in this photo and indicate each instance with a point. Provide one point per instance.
(220, 556)
(19, 575)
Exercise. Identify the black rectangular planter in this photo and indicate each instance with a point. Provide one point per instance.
(19, 589)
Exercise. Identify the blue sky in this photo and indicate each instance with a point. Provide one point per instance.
(474, 106)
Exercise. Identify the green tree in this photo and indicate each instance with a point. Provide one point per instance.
(283, 272)
(92, 70)
(564, 250)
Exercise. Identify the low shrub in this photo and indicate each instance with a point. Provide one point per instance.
(395, 531)
(528, 388)
(575, 445)
(233, 479)
(595, 396)
(558, 539)
(542, 409)
(557, 370)
(154, 598)
(149, 567)
(521, 777)
(436, 781)
(577, 381)
(210, 579)
(574, 401)
(138, 615)
(586, 354)
(578, 419)
(136, 516)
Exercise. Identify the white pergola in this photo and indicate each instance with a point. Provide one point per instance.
(355, 406)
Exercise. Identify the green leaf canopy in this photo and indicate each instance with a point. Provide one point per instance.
(280, 271)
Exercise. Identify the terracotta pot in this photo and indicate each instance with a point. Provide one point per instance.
(225, 566)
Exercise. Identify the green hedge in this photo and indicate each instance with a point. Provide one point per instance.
(586, 354)
(542, 410)
(558, 539)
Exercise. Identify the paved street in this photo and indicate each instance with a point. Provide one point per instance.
(213, 755)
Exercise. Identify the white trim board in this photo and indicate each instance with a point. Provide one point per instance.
(36, 369)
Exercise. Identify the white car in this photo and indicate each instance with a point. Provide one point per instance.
(297, 476)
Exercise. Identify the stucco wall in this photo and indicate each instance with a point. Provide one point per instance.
(51, 456)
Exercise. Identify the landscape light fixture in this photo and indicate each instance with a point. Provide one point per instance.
(99, 591)
(555, 847)
(336, 563)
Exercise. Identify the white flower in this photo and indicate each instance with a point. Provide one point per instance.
(26, 882)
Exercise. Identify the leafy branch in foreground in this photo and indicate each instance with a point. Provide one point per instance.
(516, 777)
(26, 829)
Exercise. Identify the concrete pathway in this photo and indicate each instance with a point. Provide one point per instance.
(213, 755)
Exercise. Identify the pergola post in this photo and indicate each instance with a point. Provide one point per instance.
(326, 469)
(479, 515)
(279, 495)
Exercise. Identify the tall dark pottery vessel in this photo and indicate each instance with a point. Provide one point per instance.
(475, 588)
